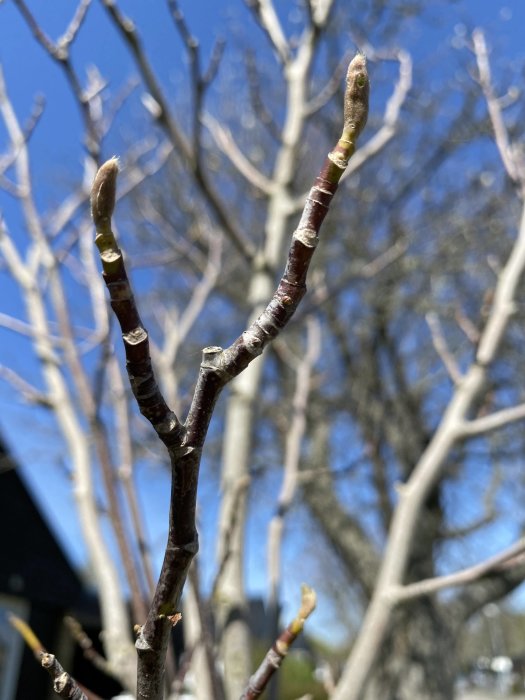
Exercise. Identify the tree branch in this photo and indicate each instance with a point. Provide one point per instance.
(165, 119)
(503, 560)
(267, 18)
(513, 163)
(276, 655)
(218, 367)
(227, 145)
(441, 347)
(493, 421)
(64, 685)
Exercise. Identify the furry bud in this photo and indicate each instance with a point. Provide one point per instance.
(356, 95)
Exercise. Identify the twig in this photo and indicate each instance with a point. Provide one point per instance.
(441, 347)
(27, 634)
(493, 421)
(466, 325)
(391, 117)
(514, 165)
(429, 586)
(68, 37)
(85, 643)
(294, 438)
(276, 655)
(143, 381)
(59, 52)
(226, 143)
(166, 120)
(256, 100)
(125, 471)
(267, 19)
(64, 685)
(30, 393)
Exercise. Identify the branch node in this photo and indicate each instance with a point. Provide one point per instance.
(252, 342)
(337, 160)
(306, 236)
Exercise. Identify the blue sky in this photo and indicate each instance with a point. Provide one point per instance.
(57, 157)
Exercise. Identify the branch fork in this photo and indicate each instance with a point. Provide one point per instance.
(218, 366)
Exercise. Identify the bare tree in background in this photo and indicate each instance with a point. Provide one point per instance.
(409, 357)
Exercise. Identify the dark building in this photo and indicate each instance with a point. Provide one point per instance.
(38, 584)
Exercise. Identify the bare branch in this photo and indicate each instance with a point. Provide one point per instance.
(319, 11)
(277, 653)
(294, 438)
(441, 347)
(64, 685)
(85, 643)
(514, 165)
(504, 302)
(60, 53)
(256, 100)
(117, 641)
(227, 145)
(28, 392)
(414, 493)
(73, 29)
(142, 378)
(493, 421)
(266, 16)
(466, 325)
(331, 87)
(218, 367)
(165, 119)
(510, 556)
(125, 471)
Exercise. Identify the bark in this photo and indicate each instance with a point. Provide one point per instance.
(418, 658)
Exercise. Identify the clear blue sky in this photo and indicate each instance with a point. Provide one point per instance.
(57, 156)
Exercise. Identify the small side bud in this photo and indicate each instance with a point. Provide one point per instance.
(356, 95)
(103, 192)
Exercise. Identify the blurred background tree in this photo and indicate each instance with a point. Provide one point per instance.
(219, 144)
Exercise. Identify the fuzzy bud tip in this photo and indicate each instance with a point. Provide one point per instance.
(356, 95)
(103, 192)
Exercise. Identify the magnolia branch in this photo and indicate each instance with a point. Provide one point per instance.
(279, 650)
(64, 685)
(184, 442)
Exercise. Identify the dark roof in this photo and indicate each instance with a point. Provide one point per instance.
(32, 563)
